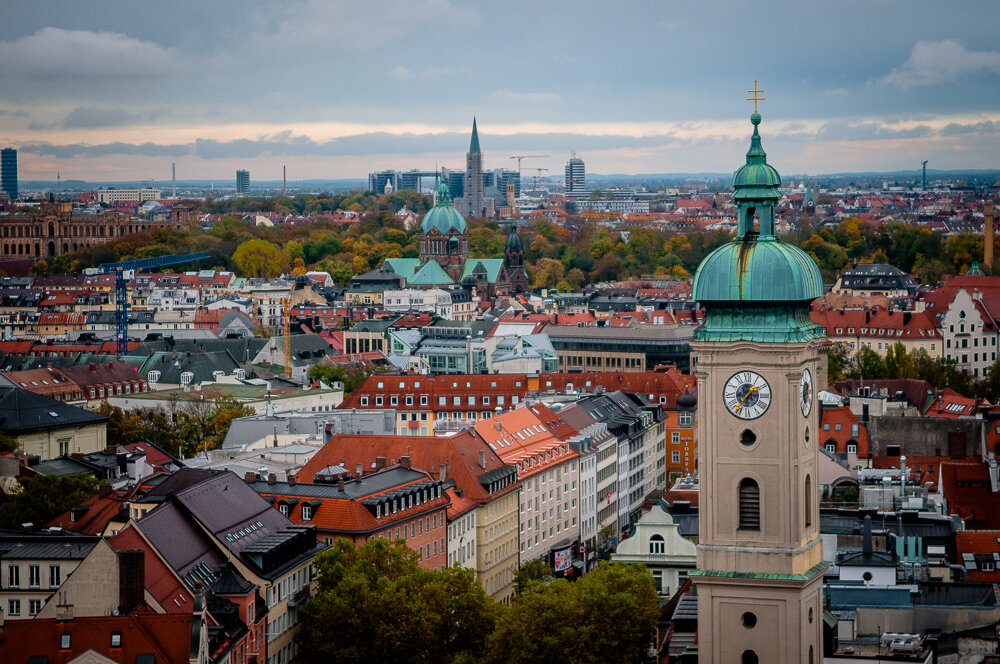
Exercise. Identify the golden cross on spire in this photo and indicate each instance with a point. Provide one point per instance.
(755, 98)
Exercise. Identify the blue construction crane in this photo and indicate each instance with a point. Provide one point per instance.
(124, 272)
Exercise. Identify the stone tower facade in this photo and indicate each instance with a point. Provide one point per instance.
(473, 201)
(759, 359)
(513, 277)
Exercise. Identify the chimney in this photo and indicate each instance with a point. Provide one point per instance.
(482, 458)
(404, 461)
(250, 477)
(340, 485)
(358, 470)
(105, 490)
(64, 612)
(379, 462)
(442, 472)
(988, 237)
(866, 535)
(291, 478)
(131, 579)
(272, 478)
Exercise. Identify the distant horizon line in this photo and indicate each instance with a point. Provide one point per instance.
(637, 176)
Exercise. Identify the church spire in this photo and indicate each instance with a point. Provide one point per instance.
(474, 144)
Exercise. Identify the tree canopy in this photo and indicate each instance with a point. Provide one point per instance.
(43, 497)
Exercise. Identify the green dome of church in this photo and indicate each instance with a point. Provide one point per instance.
(766, 270)
(443, 216)
(757, 287)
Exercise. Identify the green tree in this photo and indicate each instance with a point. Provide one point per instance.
(422, 616)
(225, 409)
(41, 267)
(607, 617)
(531, 574)
(41, 498)
(258, 258)
(838, 362)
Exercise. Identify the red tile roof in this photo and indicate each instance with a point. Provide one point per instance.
(966, 488)
(167, 637)
(841, 417)
(161, 582)
(459, 453)
(101, 509)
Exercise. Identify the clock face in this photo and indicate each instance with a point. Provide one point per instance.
(806, 393)
(747, 395)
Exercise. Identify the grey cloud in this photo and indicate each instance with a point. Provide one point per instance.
(935, 63)
(90, 117)
(957, 129)
(843, 130)
(55, 54)
(103, 150)
(8, 113)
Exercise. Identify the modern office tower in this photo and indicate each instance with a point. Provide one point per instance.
(377, 180)
(242, 182)
(8, 172)
(507, 178)
(456, 183)
(576, 178)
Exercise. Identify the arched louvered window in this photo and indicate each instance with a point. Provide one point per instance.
(749, 504)
(809, 502)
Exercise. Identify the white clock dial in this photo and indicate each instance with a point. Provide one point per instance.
(747, 395)
(806, 393)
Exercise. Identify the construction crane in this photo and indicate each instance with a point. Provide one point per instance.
(124, 272)
(519, 157)
(286, 317)
(538, 176)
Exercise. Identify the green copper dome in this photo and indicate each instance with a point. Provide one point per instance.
(757, 288)
(443, 216)
(763, 270)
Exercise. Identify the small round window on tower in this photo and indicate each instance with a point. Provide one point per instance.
(749, 619)
(748, 437)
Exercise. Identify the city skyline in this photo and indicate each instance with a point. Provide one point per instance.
(340, 89)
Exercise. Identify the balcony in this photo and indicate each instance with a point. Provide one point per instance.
(299, 597)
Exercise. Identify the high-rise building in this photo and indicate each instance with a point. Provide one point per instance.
(509, 178)
(242, 182)
(8, 172)
(759, 359)
(377, 180)
(576, 178)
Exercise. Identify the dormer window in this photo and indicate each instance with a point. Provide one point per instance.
(306, 513)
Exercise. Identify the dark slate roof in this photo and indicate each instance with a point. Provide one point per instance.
(230, 582)
(62, 466)
(23, 412)
(183, 545)
(16, 546)
(182, 479)
(369, 484)
(201, 364)
(226, 506)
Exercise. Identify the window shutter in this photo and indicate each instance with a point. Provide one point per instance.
(749, 505)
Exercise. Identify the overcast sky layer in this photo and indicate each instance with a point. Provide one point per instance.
(119, 89)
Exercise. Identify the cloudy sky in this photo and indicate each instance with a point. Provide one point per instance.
(119, 89)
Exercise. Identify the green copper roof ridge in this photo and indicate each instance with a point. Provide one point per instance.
(819, 568)
(474, 143)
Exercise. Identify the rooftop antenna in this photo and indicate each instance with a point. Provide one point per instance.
(924, 164)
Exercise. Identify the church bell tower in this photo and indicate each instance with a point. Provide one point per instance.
(758, 359)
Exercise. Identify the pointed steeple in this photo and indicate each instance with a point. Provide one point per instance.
(474, 144)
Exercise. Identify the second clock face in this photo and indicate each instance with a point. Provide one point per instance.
(806, 393)
(747, 395)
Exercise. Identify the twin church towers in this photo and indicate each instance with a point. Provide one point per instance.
(758, 359)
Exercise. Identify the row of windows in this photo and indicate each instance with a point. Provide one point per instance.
(14, 607)
(34, 576)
